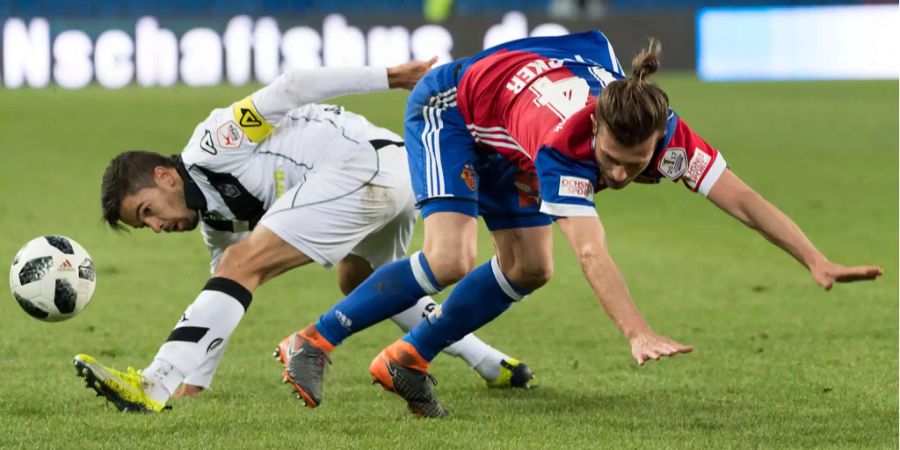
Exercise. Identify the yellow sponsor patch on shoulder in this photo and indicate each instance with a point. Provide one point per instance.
(255, 127)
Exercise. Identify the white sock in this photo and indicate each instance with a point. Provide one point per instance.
(489, 367)
(204, 374)
(160, 380)
(475, 352)
(203, 328)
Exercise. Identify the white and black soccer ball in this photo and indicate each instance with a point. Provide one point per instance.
(52, 278)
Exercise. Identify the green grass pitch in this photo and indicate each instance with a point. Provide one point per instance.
(779, 363)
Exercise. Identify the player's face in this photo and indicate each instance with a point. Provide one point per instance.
(619, 165)
(161, 208)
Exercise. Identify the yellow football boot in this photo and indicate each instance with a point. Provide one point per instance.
(513, 374)
(123, 389)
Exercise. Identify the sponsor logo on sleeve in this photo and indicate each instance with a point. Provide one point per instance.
(575, 187)
(229, 135)
(206, 143)
(696, 168)
(673, 163)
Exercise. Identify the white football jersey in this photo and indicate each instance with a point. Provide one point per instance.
(271, 141)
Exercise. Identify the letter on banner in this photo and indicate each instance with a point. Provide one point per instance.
(156, 54)
(112, 59)
(26, 52)
(72, 53)
(201, 60)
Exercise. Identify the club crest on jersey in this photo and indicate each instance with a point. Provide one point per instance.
(229, 190)
(470, 177)
(229, 135)
(673, 163)
(575, 187)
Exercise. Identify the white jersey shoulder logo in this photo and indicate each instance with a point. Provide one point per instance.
(206, 143)
(673, 163)
(229, 135)
(575, 187)
(696, 168)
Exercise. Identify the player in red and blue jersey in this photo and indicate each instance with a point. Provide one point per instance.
(523, 134)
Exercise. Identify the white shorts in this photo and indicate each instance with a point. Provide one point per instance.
(362, 205)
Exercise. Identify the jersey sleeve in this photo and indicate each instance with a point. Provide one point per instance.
(690, 159)
(567, 185)
(260, 112)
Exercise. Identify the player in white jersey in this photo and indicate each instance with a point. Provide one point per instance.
(274, 181)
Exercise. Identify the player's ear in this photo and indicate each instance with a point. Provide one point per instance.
(594, 127)
(164, 176)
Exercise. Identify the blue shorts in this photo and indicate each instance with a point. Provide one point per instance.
(450, 172)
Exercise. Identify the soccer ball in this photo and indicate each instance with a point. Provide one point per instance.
(52, 278)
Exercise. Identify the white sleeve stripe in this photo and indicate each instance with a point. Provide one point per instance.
(716, 171)
(563, 210)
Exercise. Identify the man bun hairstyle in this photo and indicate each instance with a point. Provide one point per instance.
(127, 174)
(634, 108)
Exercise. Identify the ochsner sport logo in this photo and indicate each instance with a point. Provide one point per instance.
(575, 187)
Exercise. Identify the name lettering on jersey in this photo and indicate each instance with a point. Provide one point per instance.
(251, 122)
(673, 163)
(696, 168)
(531, 71)
(206, 143)
(229, 135)
(575, 187)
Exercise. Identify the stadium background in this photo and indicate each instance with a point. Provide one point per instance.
(779, 364)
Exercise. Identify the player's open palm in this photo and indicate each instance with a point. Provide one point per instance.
(828, 273)
(647, 346)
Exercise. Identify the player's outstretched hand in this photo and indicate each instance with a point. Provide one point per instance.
(649, 345)
(828, 273)
(187, 390)
(408, 74)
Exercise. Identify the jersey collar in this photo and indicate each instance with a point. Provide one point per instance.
(193, 196)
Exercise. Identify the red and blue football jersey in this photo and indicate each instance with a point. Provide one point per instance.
(531, 100)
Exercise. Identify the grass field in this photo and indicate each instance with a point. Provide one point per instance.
(779, 363)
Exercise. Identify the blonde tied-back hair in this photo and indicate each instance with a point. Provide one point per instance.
(634, 108)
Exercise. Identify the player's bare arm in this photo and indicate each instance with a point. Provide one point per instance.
(408, 74)
(587, 237)
(740, 201)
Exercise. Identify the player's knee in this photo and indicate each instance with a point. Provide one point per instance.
(235, 264)
(352, 271)
(450, 268)
(532, 275)
(347, 286)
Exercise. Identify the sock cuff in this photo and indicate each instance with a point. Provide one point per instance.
(511, 291)
(231, 288)
(423, 274)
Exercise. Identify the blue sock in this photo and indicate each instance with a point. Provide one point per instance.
(480, 296)
(391, 289)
